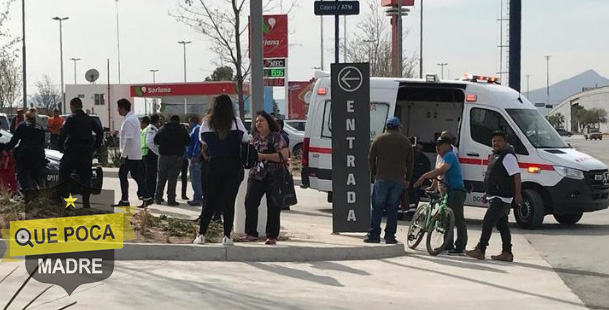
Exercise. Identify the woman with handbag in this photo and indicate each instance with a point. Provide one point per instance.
(264, 178)
(221, 136)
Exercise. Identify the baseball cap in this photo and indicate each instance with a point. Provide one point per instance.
(393, 122)
(442, 141)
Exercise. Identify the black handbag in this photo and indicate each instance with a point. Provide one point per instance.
(247, 153)
(285, 193)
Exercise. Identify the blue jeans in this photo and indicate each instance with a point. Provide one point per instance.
(385, 197)
(195, 181)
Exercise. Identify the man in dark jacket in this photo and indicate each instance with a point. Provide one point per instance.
(172, 140)
(391, 163)
(30, 155)
(77, 143)
(502, 186)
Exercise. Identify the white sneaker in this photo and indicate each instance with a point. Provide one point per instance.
(226, 241)
(199, 240)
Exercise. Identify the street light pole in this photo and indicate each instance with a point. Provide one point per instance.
(421, 47)
(118, 41)
(400, 60)
(443, 64)
(75, 60)
(154, 71)
(24, 63)
(528, 77)
(63, 93)
(322, 41)
(184, 43)
(548, 79)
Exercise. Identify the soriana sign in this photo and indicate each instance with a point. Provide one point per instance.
(186, 89)
(275, 36)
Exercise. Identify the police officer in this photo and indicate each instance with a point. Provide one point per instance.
(78, 145)
(30, 156)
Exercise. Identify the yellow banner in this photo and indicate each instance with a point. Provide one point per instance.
(69, 234)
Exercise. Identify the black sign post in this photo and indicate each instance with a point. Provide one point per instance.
(350, 147)
(336, 8)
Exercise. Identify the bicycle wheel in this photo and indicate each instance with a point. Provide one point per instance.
(417, 227)
(442, 225)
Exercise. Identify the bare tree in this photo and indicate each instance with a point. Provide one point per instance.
(10, 71)
(224, 23)
(372, 43)
(10, 82)
(48, 95)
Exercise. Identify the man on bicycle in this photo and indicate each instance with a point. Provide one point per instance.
(453, 179)
(502, 186)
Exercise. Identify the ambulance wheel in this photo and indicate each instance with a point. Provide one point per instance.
(529, 215)
(297, 152)
(568, 219)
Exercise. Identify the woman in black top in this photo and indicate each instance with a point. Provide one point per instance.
(221, 136)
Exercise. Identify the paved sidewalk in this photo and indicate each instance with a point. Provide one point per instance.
(414, 280)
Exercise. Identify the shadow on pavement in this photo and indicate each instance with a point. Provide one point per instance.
(338, 267)
(296, 274)
(481, 282)
(458, 262)
(217, 295)
(292, 211)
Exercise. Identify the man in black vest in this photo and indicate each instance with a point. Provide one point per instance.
(502, 186)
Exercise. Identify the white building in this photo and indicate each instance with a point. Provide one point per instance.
(95, 100)
(589, 99)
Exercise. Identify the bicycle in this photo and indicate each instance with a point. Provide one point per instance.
(435, 219)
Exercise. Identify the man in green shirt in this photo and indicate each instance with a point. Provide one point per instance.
(391, 163)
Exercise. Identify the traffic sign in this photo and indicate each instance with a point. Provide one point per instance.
(336, 7)
(350, 147)
(350, 79)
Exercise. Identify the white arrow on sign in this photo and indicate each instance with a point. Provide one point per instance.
(350, 79)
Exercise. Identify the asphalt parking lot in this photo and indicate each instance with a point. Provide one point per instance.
(579, 253)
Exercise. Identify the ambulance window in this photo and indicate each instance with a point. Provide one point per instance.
(484, 122)
(378, 116)
(326, 125)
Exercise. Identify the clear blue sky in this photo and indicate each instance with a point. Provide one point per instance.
(463, 33)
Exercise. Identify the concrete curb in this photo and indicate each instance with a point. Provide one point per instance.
(240, 252)
(253, 252)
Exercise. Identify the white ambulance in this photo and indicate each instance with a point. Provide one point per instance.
(557, 179)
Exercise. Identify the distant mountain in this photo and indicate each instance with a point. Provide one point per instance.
(571, 86)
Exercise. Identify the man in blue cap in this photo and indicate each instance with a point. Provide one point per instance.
(391, 163)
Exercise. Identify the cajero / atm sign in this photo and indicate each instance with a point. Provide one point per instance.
(350, 147)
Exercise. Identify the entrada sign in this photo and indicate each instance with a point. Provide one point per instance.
(350, 147)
